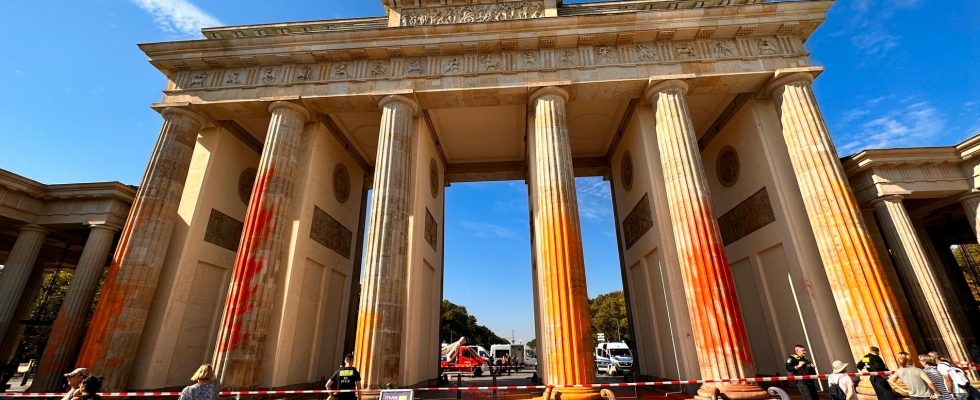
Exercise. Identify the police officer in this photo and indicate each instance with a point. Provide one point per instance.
(872, 362)
(346, 378)
(798, 364)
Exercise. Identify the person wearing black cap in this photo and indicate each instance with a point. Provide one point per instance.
(872, 362)
(798, 364)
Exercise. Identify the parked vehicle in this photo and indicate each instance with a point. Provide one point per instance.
(459, 357)
(613, 358)
(521, 355)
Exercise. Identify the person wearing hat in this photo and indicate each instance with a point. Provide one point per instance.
(75, 382)
(840, 379)
(872, 362)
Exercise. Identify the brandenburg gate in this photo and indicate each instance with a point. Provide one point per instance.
(738, 233)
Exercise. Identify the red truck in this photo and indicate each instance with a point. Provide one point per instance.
(457, 357)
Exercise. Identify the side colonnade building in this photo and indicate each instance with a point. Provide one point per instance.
(739, 234)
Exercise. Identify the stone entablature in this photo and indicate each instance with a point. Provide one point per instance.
(307, 44)
(24, 200)
(501, 61)
(461, 14)
(924, 172)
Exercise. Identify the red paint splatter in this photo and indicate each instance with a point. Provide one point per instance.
(247, 265)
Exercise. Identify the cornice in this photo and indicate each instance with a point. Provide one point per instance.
(915, 156)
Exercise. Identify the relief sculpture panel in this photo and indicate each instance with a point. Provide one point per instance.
(748, 216)
(473, 13)
(330, 233)
(638, 222)
(223, 231)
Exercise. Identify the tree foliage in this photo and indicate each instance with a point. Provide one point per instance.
(457, 322)
(42, 314)
(608, 314)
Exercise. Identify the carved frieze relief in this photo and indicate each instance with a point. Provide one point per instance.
(330, 233)
(637, 222)
(223, 230)
(508, 59)
(748, 216)
(472, 13)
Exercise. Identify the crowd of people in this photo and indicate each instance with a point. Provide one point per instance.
(934, 377)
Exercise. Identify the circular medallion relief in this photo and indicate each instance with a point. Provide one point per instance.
(245, 182)
(727, 167)
(433, 178)
(341, 183)
(626, 170)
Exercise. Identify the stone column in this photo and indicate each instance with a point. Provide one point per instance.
(717, 324)
(261, 255)
(8, 346)
(60, 350)
(381, 315)
(563, 300)
(914, 265)
(131, 283)
(865, 301)
(17, 272)
(971, 206)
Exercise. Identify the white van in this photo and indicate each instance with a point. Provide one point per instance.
(613, 358)
(520, 354)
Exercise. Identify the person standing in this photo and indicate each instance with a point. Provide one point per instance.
(872, 362)
(345, 378)
(798, 364)
(929, 366)
(75, 382)
(842, 381)
(919, 386)
(204, 388)
(954, 377)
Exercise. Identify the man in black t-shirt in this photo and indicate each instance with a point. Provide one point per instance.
(346, 378)
(798, 364)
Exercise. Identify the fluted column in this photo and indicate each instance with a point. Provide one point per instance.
(919, 274)
(971, 206)
(716, 320)
(382, 310)
(59, 352)
(17, 271)
(563, 299)
(865, 302)
(116, 327)
(261, 254)
(10, 341)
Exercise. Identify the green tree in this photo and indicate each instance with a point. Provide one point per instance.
(457, 322)
(608, 314)
(42, 314)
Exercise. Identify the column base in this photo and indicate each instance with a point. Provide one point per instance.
(733, 391)
(570, 394)
(865, 391)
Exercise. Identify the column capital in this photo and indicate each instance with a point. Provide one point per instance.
(185, 112)
(888, 197)
(788, 79)
(278, 105)
(397, 98)
(33, 228)
(547, 91)
(968, 196)
(664, 86)
(103, 226)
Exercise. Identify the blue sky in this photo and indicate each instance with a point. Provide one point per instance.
(76, 91)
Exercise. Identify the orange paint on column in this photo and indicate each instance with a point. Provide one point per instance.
(716, 318)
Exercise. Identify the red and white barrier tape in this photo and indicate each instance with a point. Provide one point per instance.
(475, 388)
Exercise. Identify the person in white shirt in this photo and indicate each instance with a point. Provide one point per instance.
(841, 379)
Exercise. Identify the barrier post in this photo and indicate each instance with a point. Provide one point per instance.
(459, 384)
(494, 384)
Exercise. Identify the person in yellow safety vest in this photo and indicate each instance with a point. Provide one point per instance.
(872, 362)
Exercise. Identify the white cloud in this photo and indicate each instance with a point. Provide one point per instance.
(179, 17)
(487, 230)
(594, 198)
(909, 124)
